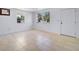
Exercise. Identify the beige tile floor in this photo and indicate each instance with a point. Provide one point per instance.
(35, 40)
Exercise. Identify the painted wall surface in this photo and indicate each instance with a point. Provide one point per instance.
(55, 21)
(8, 24)
(54, 25)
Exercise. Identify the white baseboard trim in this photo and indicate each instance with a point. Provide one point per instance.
(14, 32)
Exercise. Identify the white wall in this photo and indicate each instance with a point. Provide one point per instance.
(8, 24)
(55, 21)
(54, 25)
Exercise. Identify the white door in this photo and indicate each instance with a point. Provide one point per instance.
(77, 22)
(68, 22)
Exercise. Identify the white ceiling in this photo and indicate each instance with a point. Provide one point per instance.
(31, 9)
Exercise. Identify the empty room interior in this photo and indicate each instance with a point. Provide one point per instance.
(39, 29)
